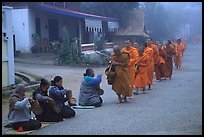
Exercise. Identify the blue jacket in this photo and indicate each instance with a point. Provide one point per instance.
(88, 94)
(58, 95)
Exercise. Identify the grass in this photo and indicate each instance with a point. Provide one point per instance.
(6, 91)
(6, 94)
(18, 80)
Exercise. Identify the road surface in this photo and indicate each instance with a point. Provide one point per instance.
(172, 106)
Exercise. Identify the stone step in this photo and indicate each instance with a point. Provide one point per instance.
(36, 61)
(25, 77)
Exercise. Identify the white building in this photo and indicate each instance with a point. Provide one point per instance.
(48, 18)
(8, 76)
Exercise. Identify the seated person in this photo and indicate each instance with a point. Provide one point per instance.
(57, 93)
(49, 109)
(20, 111)
(90, 90)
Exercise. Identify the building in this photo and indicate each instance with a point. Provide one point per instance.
(48, 18)
(8, 76)
(134, 30)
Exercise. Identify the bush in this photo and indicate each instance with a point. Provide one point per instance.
(34, 49)
(17, 81)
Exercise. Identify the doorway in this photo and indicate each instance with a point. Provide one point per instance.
(53, 29)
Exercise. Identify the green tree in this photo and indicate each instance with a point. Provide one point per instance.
(157, 21)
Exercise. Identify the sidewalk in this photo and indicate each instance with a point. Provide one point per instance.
(40, 58)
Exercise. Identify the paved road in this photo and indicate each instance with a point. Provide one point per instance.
(171, 107)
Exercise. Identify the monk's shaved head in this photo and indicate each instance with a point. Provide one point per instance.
(116, 50)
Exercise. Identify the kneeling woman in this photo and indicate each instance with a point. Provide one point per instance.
(57, 92)
(50, 112)
(90, 90)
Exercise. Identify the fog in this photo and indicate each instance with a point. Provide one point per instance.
(183, 17)
(163, 20)
(190, 14)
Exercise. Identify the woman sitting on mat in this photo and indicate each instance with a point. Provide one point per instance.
(50, 112)
(19, 115)
(57, 92)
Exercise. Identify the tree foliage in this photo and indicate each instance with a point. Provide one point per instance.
(157, 21)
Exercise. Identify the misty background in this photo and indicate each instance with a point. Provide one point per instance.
(163, 20)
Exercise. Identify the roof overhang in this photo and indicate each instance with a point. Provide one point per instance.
(72, 13)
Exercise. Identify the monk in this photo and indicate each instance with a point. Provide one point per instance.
(131, 65)
(135, 44)
(159, 65)
(153, 52)
(168, 67)
(180, 50)
(174, 44)
(184, 44)
(121, 83)
(141, 75)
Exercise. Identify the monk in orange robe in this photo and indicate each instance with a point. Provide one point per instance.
(131, 65)
(174, 44)
(183, 42)
(163, 54)
(141, 74)
(135, 44)
(168, 67)
(121, 83)
(153, 53)
(180, 50)
(159, 63)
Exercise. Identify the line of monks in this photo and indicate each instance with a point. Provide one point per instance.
(132, 67)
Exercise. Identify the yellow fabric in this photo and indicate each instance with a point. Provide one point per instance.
(15, 132)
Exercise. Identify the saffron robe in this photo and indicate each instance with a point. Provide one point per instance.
(150, 66)
(180, 50)
(121, 83)
(159, 67)
(140, 78)
(168, 67)
(133, 52)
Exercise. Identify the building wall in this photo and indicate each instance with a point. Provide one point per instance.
(31, 28)
(21, 29)
(8, 76)
(4, 64)
(5, 78)
(70, 22)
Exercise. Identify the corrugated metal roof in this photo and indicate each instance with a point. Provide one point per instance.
(72, 13)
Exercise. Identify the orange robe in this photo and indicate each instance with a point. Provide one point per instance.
(121, 83)
(150, 66)
(176, 53)
(180, 50)
(168, 67)
(156, 52)
(184, 44)
(140, 78)
(131, 66)
(159, 67)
